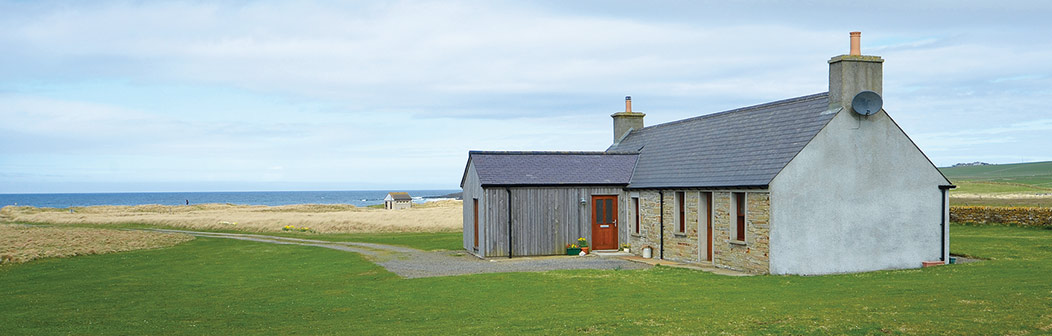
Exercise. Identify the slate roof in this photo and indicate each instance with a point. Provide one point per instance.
(552, 168)
(744, 147)
(400, 196)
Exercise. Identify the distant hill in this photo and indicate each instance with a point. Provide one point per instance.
(1016, 177)
(976, 163)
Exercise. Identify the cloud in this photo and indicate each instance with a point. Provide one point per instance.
(356, 92)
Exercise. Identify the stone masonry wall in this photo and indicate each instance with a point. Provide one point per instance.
(752, 256)
(681, 246)
(648, 235)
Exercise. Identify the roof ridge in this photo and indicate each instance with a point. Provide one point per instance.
(546, 153)
(741, 109)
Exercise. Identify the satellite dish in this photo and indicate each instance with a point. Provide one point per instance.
(866, 103)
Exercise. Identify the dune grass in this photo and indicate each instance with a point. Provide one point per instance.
(442, 216)
(216, 286)
(22, 243)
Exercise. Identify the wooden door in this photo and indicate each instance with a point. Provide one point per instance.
(604, 222)
(475, 207)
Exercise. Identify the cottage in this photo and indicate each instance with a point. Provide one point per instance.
(398, 200)
(819, 184)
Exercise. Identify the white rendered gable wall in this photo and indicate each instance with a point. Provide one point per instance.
(859, 197)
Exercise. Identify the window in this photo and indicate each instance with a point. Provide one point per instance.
(635, 207)
(739, 214)
(681, 212)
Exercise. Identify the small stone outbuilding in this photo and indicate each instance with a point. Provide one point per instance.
(398, 200)
(807, 185)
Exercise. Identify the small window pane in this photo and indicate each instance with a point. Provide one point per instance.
(599, 211)
(609, 211)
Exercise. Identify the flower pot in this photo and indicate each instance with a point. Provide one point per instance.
(628, 250)
(573, 251)
(584, 249)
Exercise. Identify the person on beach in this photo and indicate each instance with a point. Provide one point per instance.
(187, 202)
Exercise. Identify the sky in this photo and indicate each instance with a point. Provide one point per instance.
(140, 96)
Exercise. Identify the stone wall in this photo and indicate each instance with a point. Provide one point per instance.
(1021, 216)
(681, 246)
(648, 224)
(752, 256)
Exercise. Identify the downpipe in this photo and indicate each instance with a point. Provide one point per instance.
(509, 221)
(661, 220)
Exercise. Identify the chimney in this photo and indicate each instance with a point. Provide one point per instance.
(853, 73)
(626, 121)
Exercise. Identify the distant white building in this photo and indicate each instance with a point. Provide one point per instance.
(398, 200)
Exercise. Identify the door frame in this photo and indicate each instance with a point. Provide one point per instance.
(616, 237)
(705, 197)
(475, 209)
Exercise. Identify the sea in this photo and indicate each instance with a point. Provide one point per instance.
(353, 197)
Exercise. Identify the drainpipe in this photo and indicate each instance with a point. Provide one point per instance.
(661, 219)
(509, 221)
(942, 226)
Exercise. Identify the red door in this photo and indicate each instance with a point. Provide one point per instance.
(604, 222)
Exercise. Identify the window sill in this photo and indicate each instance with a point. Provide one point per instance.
(737, 242)
(636, 235)
(679, 235)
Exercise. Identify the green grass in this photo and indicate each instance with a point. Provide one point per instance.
(428, 241)
(987, 187)
(998, 180)
(218, 286)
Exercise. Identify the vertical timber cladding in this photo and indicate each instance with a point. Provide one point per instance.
(753, 255)
(544, 219)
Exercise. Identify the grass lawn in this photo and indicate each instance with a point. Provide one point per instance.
(218, 286)
(429, 241)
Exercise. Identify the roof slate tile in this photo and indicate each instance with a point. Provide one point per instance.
(741, 147)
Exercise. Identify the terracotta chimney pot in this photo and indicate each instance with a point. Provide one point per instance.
(628, 103)
(856, 38)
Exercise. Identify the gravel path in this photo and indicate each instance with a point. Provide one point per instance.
(413, 263)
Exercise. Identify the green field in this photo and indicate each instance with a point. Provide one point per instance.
(1021, 184)
(1019, 177)
(218, 286)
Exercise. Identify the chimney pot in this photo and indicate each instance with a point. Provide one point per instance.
(625, 122)
(853, 73)
(856, 40)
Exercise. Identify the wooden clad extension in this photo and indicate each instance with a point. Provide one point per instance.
(544, 219)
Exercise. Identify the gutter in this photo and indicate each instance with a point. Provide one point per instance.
(755, 186)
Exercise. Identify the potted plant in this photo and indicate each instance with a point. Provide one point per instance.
(583, 243)
(572, 249)
(626, 248)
